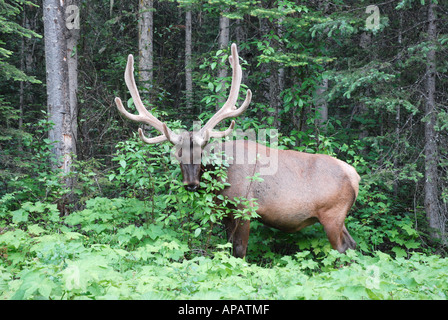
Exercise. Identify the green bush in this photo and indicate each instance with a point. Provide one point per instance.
(110, 251)
(153, 239)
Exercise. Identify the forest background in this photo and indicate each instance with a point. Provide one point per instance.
(84, 205)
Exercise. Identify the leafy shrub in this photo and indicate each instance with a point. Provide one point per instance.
(109, 251)
(156, 240)
(30, 176)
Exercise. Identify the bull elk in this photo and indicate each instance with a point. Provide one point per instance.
(305, 189)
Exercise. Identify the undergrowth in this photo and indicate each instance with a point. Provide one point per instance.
(112, 249)
(136, 233)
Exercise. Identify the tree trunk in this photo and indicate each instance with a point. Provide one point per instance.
(223, 43)
(145, 45)
(321, 104)
(274, 94)
(58, 103)
(281, 71)
(22, 83)
(365, 43)
(188, 69)
(431, 151)
(57, 75)
(72, 58)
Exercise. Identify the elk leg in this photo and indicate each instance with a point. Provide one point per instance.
(348, 239)
(338, 236)
(238, 235)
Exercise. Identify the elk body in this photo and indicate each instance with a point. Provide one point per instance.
(302, 190)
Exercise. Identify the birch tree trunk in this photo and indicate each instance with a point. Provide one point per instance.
(72, 30)
(188, 69)
(58, 101)
(433, 213)
(145, 45)
(57, 76)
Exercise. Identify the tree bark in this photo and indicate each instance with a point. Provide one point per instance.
(57, 75)
(281, 71)
(274, 81)
(22, 83)
(321, 104)
(58, 103)
(431, 150)
(188, 69)
(72, 63)
(145, 45)
(223, 42)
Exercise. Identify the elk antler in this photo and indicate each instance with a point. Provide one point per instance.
(228, 110)
(143, 115)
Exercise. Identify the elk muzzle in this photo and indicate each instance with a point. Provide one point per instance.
(191, 174)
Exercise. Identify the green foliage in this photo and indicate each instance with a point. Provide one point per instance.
(169, 244)
(104, 252)
(214, 88)
(8, 11)
(136, 233)
(29, 172)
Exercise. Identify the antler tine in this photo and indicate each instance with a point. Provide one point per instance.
(228, 110)
(143, 114)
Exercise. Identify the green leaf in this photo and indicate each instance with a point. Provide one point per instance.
(412, 244)
(33, 284)
(35, 229)
(130, 103)
(399, 252)
(19, 216)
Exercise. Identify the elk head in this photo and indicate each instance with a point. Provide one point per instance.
(189, 145)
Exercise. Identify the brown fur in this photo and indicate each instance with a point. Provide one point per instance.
(307, 188)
